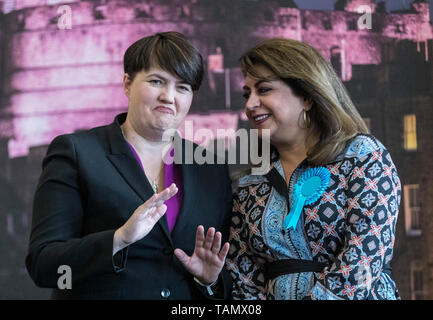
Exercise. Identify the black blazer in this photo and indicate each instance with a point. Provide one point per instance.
(90, 185)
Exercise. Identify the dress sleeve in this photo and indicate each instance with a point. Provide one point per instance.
(373, 196)
(57, 221)
(246, 271)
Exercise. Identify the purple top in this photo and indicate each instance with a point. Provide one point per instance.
(172, 175)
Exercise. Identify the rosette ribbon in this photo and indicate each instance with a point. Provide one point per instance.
(309, 188)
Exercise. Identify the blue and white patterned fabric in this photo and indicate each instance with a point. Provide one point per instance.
(351, 228)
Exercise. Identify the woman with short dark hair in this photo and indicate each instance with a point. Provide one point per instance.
(321, 223)
(111, 206)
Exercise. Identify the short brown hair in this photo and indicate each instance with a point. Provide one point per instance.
(171, 51)
(333, 114)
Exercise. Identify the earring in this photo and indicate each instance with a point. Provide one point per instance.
(306, 119)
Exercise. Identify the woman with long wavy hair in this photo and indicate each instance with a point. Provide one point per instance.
(321, 223)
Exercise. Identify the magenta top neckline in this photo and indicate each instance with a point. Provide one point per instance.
(172, 174)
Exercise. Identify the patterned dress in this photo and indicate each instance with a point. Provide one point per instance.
(351, 229)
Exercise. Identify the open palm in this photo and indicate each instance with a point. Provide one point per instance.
(146, 216)
(208, 257)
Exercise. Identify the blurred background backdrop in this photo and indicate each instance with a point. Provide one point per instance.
(61, 71)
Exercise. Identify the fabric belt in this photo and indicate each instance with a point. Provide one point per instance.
(286, 266)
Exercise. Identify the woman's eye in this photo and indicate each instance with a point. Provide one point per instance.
(155, 81)
(246, 95)
(264, 90)
(184, 88)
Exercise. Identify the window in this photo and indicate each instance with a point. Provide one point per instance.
(304, 23)
(417, 281)
(410, 141)
(284, 20)
(327, 25)
(352, 25)
(400, 28)
(412, 210)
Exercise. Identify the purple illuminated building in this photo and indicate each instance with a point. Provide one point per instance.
(61, 71)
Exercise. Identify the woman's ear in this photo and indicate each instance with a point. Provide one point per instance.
(126, 84)
(308, 103)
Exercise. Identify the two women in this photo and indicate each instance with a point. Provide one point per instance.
(319, 225)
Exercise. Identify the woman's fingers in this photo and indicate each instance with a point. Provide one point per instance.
(199, 237)
(147, 215)
(158, 213)
(169, 191)
(216, 245)
(182, 256)
(223, 253)
(165, 194)
(209, 238)
(158, 199)
(211, 242)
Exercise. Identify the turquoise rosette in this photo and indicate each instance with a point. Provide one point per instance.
(309, 188)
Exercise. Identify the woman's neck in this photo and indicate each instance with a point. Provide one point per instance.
(146, 148)
(294, 152)
(292, 155)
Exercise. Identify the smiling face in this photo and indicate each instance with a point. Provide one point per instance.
(271, 104)
(158, 101)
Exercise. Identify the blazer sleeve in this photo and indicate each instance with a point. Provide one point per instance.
(226, 279)
(58, 212)
(225, 274)
(223, 286)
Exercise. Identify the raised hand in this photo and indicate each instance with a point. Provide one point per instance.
(208, 257)
(143, 219)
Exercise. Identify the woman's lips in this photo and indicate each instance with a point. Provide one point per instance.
(164, 110)
(261, 118)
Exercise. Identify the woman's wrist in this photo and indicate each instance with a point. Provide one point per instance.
(118, 243)
(205, 283)
(208, 287)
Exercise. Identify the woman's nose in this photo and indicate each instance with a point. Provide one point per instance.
(252, 102)
(167, 94)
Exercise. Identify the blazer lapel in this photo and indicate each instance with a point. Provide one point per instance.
(189, 180)
(189, 199)
(125, 162)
